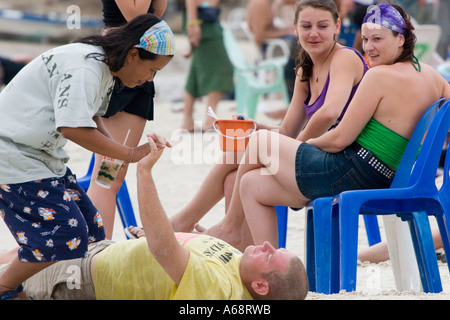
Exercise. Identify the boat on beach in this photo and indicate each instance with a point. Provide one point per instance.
(51, 27)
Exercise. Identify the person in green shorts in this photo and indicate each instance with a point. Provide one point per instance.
(211, 72)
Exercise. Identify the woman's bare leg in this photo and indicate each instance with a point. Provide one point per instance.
(214, 98)
(7, 257)
(260, 192)
(228, 187)
(105, 199)
(379, 252)
(276, 154)
(17, 272)
(188, 110)
(211, 191)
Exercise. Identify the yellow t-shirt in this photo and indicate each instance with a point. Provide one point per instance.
(127, 270)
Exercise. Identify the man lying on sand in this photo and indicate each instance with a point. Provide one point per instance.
(164, 265)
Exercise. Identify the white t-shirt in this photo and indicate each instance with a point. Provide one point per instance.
(60, 88)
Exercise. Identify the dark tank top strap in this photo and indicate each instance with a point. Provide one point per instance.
(366, 67)
(112, 17)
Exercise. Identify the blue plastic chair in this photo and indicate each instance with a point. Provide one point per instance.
(282, 217)
(412, 197)
(319, 241)
(373, 232)
(320, 248)
(331, 235)
(123, 201)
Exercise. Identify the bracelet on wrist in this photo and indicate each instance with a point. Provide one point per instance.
(131, 155)
(193, 22)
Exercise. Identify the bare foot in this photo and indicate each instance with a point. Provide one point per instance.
(188, 128)
(188, 124)
(208, 124)
(134, 232)
(218, 231)
(180, 225)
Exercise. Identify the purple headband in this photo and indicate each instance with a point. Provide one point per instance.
(387, 16)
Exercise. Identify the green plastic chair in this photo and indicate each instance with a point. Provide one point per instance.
(428, 36)
(248, 85)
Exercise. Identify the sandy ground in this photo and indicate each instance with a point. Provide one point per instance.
(180, 171)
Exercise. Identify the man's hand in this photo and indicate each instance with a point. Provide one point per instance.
(157, 145)
(160, 141)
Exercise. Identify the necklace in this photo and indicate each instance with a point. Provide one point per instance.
(317, 76)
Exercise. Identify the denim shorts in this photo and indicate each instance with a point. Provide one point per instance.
(322, 174)
(51, 219)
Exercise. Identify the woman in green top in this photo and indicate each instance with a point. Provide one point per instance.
(211, 72)
(362, 152)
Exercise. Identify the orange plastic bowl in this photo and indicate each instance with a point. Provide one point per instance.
(234, 134)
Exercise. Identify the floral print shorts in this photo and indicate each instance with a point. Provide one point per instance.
(51, 219)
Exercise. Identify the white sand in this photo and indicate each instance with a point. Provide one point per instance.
(177, 182)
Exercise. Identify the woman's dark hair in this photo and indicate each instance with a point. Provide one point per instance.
(410, 38)
(116, 42)
(304, 59)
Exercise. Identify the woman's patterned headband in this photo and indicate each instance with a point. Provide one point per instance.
(387, 16)
(158, 39)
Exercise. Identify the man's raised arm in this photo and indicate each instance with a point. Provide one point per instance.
(158, 230)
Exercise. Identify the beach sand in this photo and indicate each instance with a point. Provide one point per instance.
(180, 171)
